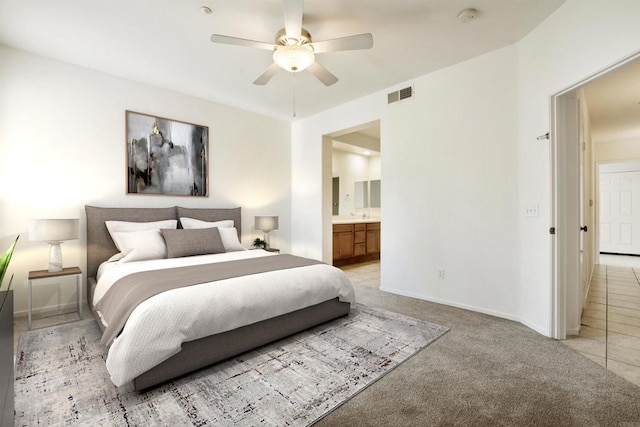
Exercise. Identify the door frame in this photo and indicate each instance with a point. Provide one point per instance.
(564, 146)
(327, 184)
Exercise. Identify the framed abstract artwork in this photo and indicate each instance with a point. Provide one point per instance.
(166, 156)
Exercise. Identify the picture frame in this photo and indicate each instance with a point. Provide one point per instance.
(166, 156)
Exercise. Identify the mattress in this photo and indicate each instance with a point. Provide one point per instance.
(158, 327)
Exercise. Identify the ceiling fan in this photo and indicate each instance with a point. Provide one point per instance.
(294, 50)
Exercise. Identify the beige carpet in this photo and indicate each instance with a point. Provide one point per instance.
(488, 372)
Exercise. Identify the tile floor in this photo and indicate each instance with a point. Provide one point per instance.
(364, 274)
(610, 332)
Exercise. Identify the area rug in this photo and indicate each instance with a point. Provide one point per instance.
(61, 377)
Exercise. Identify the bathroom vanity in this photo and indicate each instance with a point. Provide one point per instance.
(355, 241)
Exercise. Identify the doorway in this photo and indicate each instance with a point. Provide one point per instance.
(580, 124)
(356, 201)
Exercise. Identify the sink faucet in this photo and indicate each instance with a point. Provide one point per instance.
(364, 216)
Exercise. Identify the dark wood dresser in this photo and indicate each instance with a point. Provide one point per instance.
(6, 361)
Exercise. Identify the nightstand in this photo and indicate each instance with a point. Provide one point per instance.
(46, 274)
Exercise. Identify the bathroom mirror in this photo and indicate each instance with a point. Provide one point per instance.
(361, 192)
(375, 193)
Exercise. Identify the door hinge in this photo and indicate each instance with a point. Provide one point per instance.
(552, 230)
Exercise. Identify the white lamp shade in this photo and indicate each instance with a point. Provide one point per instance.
(294, 58)
(266, 223)
(53, 230)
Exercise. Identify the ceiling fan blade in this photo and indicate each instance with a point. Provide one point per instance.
(217, 38)
(292, 10)
(322, 74)
(267, 75)
(360, 41)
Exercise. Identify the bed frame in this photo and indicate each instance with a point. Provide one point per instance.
(215, 348)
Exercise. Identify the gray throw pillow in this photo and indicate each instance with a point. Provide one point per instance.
(181, 243)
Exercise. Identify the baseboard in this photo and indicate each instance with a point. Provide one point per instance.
(71, 307)
(531, 325)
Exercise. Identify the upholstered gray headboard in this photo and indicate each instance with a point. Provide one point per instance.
(100, 247)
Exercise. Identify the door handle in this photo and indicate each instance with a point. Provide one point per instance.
(585, 229)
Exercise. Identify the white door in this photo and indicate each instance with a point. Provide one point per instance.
(620, 213)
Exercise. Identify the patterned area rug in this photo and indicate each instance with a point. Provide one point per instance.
(61, 376)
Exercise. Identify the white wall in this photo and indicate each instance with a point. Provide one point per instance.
(62, 145)
(441, 151)
(448, 201)
(578, 40)
(613, 151)
(375, 165)
(461, 163)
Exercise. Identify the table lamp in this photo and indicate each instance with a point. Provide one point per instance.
(266, 224)
(54, 231)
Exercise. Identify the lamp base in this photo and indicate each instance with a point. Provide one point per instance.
(267, 244)
(55, 257)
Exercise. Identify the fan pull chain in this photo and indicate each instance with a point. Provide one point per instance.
(294, 94)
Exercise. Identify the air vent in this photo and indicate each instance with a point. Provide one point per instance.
(400, 95)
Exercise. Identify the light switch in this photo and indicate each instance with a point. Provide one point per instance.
(531, 211)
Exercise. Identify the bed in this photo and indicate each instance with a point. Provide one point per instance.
(224, 328)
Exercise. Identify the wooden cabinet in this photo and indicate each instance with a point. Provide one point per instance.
(373, 238)
(354, 243)
(359, 239)
(343, 241)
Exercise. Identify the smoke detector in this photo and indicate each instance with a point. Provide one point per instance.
(467, 15)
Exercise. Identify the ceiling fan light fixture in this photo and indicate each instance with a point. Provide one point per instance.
(467, 15)
(294, 58)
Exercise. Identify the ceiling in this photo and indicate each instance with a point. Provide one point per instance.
(362, 140)
(613, 102)
(351, 148)
(166, 43)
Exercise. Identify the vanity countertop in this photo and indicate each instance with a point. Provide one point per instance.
(354, 220)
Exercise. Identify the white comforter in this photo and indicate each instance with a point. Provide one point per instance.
(157, 327)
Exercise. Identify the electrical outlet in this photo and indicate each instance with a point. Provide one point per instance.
(441, 273)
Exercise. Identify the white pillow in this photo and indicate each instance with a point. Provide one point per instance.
(190, 223)
(127, 227)
(229, 236)
(141, 245)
